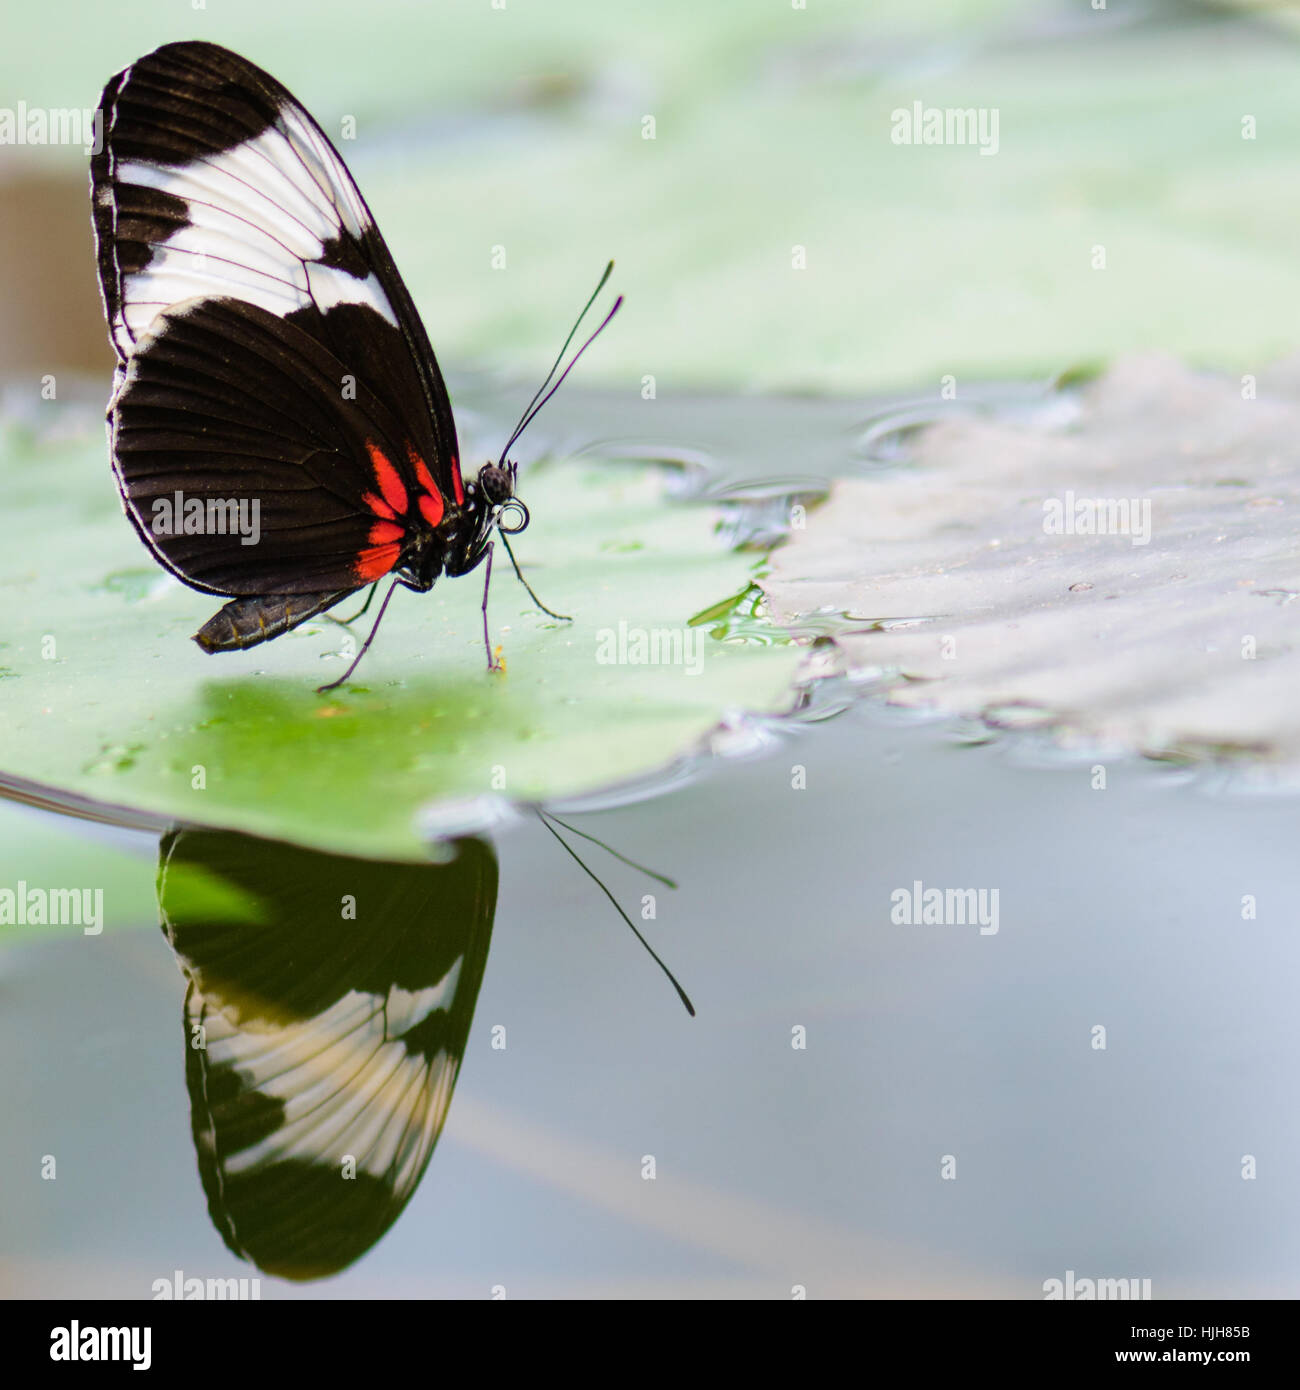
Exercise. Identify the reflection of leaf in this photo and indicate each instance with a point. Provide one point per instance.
(130, 712)
(196, 893)
(328, 1006)
(1190, 641)
(715, 612)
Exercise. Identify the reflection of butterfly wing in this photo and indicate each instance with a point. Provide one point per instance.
(321, 1048)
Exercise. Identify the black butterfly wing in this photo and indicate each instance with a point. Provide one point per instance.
(214, 185)
(225, 402)
(322, 1049)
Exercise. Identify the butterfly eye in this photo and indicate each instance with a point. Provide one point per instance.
(497, 483)
(513, 508)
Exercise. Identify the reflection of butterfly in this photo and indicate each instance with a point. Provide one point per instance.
(328, 1006)
(281, 432)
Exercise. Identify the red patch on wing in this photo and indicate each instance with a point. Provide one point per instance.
(382, 554)
(377, 561)
(457, 486)
(390, 484)
(430, 503)
(378, 506)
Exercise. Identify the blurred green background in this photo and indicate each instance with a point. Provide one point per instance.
(522, 128)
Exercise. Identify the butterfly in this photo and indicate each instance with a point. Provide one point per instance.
(280, 431)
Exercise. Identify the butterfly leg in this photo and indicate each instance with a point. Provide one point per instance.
(493, 663)
(365, 646)
(360, 613)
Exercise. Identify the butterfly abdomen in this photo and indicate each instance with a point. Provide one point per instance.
(244, 622)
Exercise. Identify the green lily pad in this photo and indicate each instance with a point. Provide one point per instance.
(109, 699)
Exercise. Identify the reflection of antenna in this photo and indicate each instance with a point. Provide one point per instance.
(631, 863)
(546, 818)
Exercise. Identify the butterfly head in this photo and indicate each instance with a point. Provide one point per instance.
(496, 485)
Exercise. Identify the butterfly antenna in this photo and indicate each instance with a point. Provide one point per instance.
(609, 270)
(681, 993)
(529, 410)
(631, 863)
(536, 410)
